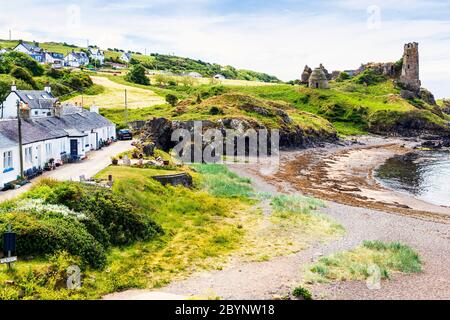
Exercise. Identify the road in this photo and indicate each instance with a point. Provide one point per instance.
(97, 161)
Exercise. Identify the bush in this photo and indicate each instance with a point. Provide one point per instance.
(172, 100)
(77, 81)
(369, 77)
(137, 74)
(22, 74)
(302, 293)
(114, 213)
(37, 236)
(343, 76)
(215, 111)
(23, 60)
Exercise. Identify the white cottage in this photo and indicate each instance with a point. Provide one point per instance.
(76, 59)
(37, 103)
(96, 54)
(66, 132)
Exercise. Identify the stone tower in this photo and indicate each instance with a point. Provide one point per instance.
(318, 79)
(410, 71)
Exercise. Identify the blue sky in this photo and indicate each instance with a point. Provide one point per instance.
(277, 37)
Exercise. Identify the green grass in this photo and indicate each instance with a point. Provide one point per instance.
(355, 264)
(221, 182)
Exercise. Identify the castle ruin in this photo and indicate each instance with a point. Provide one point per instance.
(410, 70)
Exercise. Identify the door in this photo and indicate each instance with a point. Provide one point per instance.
(74, 147)
(38, 157)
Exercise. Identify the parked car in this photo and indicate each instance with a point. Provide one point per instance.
(125, 135)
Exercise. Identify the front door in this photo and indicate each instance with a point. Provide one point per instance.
(38, 156)
(74, 147)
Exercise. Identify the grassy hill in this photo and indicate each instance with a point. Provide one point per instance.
(157, 61)
(350, 107)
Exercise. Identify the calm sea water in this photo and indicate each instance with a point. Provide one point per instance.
(423, 174)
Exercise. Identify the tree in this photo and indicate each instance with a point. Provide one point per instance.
(172, 100)
(137, 74)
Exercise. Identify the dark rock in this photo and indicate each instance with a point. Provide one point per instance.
(432, 144)
(427, 96)
(407, 94)
(149, 149)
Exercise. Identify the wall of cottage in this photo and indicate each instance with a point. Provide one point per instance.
(10, 106)
(9, 174)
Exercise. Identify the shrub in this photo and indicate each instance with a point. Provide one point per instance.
(137, 74)
(23, 60)
(172, 100)
(37, 236)
(22, 74)
(215, 111)
(117, 216)
(302, 293)
(369, 77)
(342, 77)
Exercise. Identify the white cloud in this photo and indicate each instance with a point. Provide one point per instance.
(279, 43)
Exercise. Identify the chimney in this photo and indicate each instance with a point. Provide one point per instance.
(57, 109)
(13, 87)
(48, 89)
(94, 109)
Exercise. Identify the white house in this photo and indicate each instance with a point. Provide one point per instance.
(76, 59)
(9, 153)
(55, 59)
(96, 54)
(3, 51)
(126, 57)
(35, 103)
(219, 77)
(27, 48)
(69, 133)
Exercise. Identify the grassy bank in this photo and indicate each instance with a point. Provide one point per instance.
(357, 264)
(200, 228)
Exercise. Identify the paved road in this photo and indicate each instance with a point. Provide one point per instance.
(97, 161)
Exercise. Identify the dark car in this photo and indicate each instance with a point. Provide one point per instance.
(124, 135)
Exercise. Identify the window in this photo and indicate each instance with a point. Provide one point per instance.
(7, 159)
(29, 155)
(30, 97)
(48, 150)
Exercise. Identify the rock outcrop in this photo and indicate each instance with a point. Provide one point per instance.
(159, 131)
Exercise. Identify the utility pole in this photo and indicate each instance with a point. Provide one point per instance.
(19, 127)
(10, 38)
(126, 107)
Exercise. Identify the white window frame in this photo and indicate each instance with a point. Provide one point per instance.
(48, 150)
(8, 159)
(29, 155)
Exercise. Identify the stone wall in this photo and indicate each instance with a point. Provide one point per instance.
(181, 179)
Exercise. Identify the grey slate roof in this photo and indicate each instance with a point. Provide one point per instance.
(30, 47)
(37, 99)
(5, 142)
(48, 128)
(30, 132)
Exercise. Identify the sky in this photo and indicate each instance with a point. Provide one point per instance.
(276, 37)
